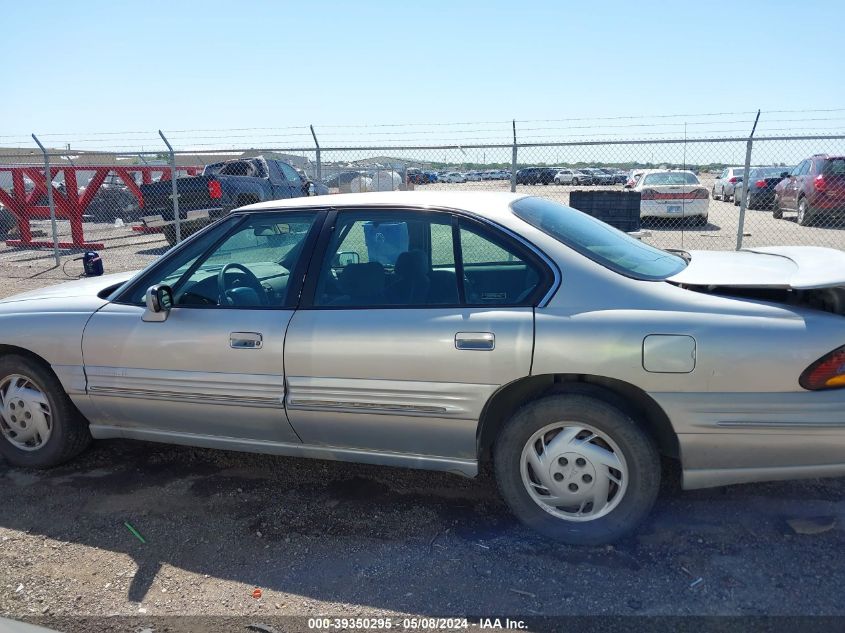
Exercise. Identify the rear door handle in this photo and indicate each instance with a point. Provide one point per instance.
(479, 341)
(245, 340)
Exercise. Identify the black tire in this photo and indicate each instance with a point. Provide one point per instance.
(713, 193)
(805, 215)
(638, 448)
(7, 222)
(750, 202)
(736, 200)
(699, 220)
(69, 435)
(574, 182)
(186, 230)
(777, 213)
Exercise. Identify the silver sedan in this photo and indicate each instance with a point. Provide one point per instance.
(441, 330)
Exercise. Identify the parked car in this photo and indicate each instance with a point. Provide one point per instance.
(535, 176)
(723, 187)
(573, 390)
(633, 177)
(620, 177)
(473, 176)
(451, 176)
(760, 192)
(220, 188)
(113, 200)
(814, 189)
(599, 177)
(672, 194)
(417, 176)
(572, 177)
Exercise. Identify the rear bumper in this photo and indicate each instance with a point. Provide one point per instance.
(729, 438)
(762, 197)
(674, 208)
(829, 203)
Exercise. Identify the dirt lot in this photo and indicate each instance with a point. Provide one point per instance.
(350, 540)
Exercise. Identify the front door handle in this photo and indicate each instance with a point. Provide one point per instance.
(480, 341)
(245, 340)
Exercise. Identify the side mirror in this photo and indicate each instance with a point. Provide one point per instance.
(159, 300)
(345, 258)
(309, 189)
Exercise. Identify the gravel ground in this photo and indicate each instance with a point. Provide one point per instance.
(351, 540)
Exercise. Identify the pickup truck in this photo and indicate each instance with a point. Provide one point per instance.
(220, 188)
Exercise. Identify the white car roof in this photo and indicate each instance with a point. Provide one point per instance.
(489, 204)
(666, 171)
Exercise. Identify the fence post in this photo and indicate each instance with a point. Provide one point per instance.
(318, 176)
(513, 160)
(741, 226)
(48, 177)
(175, 195)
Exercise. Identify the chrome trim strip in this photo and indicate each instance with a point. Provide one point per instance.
(272, 403)
(738, 424)
(466, 467)
(374, 407)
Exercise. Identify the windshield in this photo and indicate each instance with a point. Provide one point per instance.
(671, 178)
(768, 172)
(598, 241)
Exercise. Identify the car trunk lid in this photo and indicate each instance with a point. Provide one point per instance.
(787, 267)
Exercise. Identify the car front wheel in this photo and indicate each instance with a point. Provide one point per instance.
(39, 426)
(576, 468)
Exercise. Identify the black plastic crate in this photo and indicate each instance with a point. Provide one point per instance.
(620, 209)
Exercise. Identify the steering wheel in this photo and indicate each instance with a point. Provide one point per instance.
(251, 281)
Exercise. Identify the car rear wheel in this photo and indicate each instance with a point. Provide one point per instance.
(749, 201)
(575, 182)
(805, 215)
(576, 468)
(39, 426)
(777, 214)
(736, 199)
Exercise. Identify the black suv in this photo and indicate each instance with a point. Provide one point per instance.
(535, 176)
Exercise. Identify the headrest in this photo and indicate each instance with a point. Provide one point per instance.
(362, 280)
(412, 264)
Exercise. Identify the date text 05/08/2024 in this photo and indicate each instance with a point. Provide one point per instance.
(412, 623)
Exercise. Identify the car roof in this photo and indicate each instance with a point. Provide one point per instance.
(490, 204)
(667, 171)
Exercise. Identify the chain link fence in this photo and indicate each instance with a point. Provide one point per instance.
(694, 193)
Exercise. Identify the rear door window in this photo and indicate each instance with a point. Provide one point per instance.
(834, 167)
(494, 272)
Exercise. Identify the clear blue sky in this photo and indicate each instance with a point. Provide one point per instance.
(82, 66)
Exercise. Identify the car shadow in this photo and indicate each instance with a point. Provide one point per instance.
(402, 540)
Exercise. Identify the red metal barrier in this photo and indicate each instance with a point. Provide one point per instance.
(70, 205)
